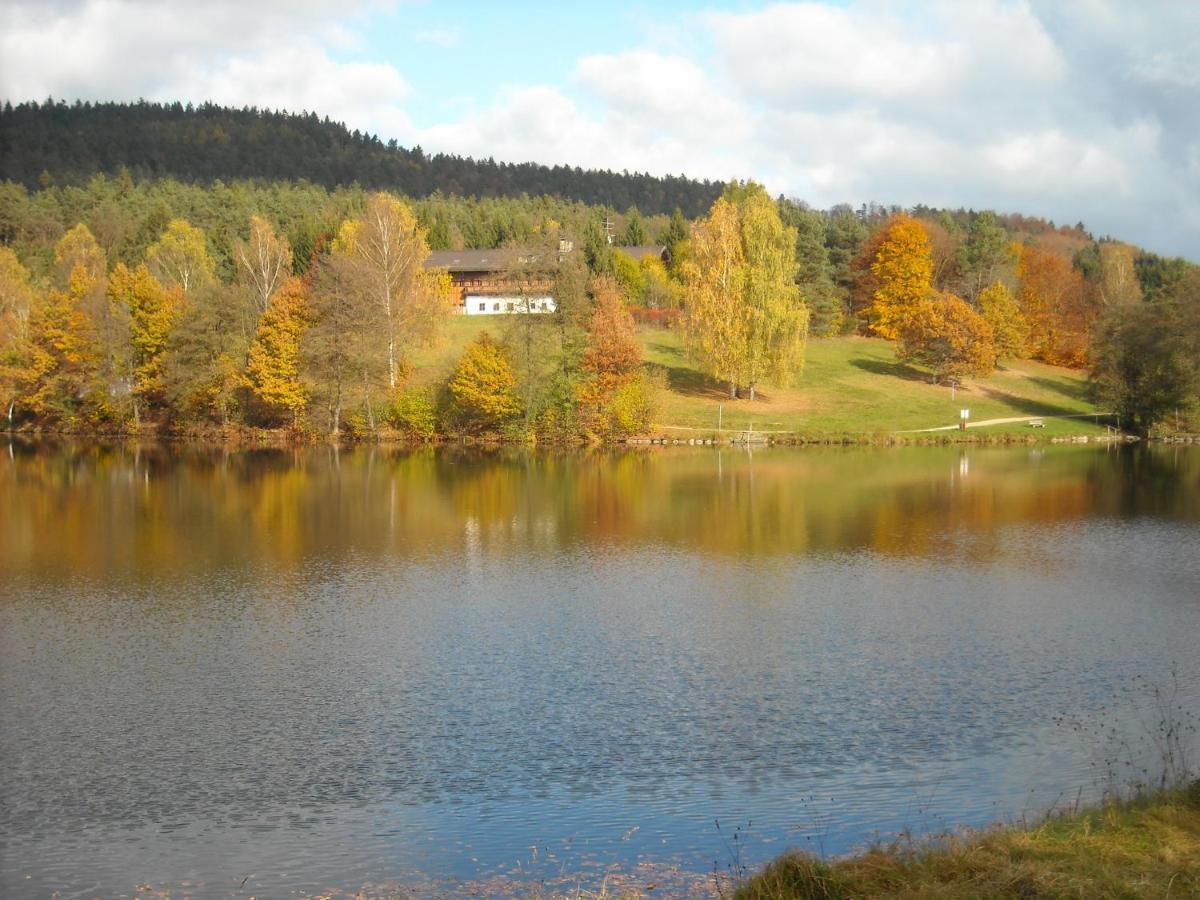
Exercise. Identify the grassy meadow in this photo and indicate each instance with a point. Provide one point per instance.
(851, 387)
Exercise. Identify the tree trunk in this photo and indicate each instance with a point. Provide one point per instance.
(335, 426)
(733, 390)
(367, 401)
(752, 389)
(391, 358)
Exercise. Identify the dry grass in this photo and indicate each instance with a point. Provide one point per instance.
(1141, 848)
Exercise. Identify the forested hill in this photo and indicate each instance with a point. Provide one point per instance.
(70, 143)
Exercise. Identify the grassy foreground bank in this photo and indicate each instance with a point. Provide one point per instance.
(851, 388)
(1141, 848)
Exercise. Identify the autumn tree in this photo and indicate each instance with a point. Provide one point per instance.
(78, 250)
(945, 246)
(713, 279)
(1118, 275)
(614, 396)
(206, 353)
(391, 248)
(660, 290)
(746, 320)
(344, 349)
(265, 261)
(180, 257)
(60, 378)
(631, 276)
(17, 298)
(1010, 331)
(483, 385)
(1053, 300)
(613, 350)
(944, 333)
(150, 310)
(861, 282)
(58, 370)
(273, 365)
(903, 266)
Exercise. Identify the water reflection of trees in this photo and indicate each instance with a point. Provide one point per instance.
(89, 508)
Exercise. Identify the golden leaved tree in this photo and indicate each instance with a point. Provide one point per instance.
(1010, 331)
(484, 386)
(151, 309)
(746, 320)
(944, 333)
(273, 366)
(391, 250)
(16, 306)
(180, 257)
(903, 269)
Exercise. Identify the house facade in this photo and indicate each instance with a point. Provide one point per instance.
(507, 281)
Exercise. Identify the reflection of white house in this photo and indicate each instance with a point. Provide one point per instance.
(485, 282)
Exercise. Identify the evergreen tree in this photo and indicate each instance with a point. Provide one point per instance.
(634, 234)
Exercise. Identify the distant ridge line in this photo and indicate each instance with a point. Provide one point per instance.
(69, 143)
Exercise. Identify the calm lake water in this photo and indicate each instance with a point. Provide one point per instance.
(276, 672)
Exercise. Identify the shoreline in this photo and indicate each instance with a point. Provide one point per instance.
(1145, 846)
(255, 438)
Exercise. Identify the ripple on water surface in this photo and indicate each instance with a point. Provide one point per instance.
(391, 668)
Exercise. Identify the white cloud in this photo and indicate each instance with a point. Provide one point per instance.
(439, 37)
(261, 54)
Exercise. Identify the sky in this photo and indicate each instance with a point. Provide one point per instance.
(1074, 110)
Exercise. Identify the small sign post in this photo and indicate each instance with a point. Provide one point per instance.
(963, 416)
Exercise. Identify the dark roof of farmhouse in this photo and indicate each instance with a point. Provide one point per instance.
(506, 257)
(476, 260)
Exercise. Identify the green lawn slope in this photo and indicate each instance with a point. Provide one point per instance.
(851, 388)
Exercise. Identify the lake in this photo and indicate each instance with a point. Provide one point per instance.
(270, 672)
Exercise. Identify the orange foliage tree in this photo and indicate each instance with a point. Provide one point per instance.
(614, 398)
(904, 267)
(944, 333)
(1052, 296)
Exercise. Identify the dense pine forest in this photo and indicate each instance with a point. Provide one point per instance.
(66, 144)
(134, 302)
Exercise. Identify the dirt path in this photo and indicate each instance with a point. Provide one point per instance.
(1006, 421)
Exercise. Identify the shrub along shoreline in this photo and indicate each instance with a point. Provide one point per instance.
(1148, 846)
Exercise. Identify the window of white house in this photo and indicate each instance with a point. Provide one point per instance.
(511, 307)
(495, 307)
(483, 307)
